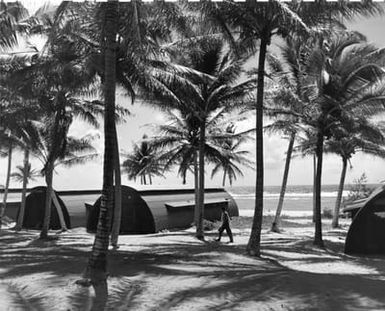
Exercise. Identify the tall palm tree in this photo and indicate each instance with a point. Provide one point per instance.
(211, 88)
(344, 80)
(256, 24)
(96, 270)
(359, 135)
(55, 78)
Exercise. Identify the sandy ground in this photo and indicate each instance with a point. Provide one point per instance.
(174, 271)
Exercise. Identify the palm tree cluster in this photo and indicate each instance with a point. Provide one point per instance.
(332, 92)
(189, 60)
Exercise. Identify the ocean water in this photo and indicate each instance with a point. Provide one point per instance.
(298, 199)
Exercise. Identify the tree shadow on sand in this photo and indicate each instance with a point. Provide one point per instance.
(194, 275)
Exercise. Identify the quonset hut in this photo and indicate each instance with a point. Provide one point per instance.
(366, 234)
(35, 209)
(150, 211)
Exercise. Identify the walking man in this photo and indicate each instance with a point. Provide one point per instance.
(225, 218)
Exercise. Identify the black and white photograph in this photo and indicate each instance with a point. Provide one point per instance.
(192, 155)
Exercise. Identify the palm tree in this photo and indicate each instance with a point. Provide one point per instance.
(178, 143)
(68, 151)
(344, 80)
(285, 104)
(137, 44)
(12, 16)
(231, 155)
(25, 171)
(359, 135)
(117, 214)
(211, 88)
(9, 142)
(259, 23)
(55, 80)
(96, 270)
(24, 174)
(256, 22)
(16, 127)
(142, 162)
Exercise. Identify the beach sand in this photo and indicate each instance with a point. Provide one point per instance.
(174, 271)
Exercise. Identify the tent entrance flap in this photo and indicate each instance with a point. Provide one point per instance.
(181, 205)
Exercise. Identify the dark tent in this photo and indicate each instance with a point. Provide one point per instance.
(150, 211)
(366, 234)
(34, 211)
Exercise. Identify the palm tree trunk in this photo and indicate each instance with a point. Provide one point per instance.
(201, 187)
(196, 187)
(7, 180)
(20, 218)
(48, 200)
(150, 179)
(254, 244)
(118, 197)
(96, 270)
(224, 178)
(314, 183)
(276, 222)
(144, 179)
(318, 221)
(339, 195)
(59, 211)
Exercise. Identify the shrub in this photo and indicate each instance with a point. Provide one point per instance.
(359, 190)
(327, 213)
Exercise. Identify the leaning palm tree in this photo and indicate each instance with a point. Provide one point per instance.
(285, 104)
(359, 135)
(67, 151)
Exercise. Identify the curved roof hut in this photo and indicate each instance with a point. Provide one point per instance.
(35, 209)
(367, 231)
(150, 211)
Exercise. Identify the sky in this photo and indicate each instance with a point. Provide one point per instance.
(89, 176)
